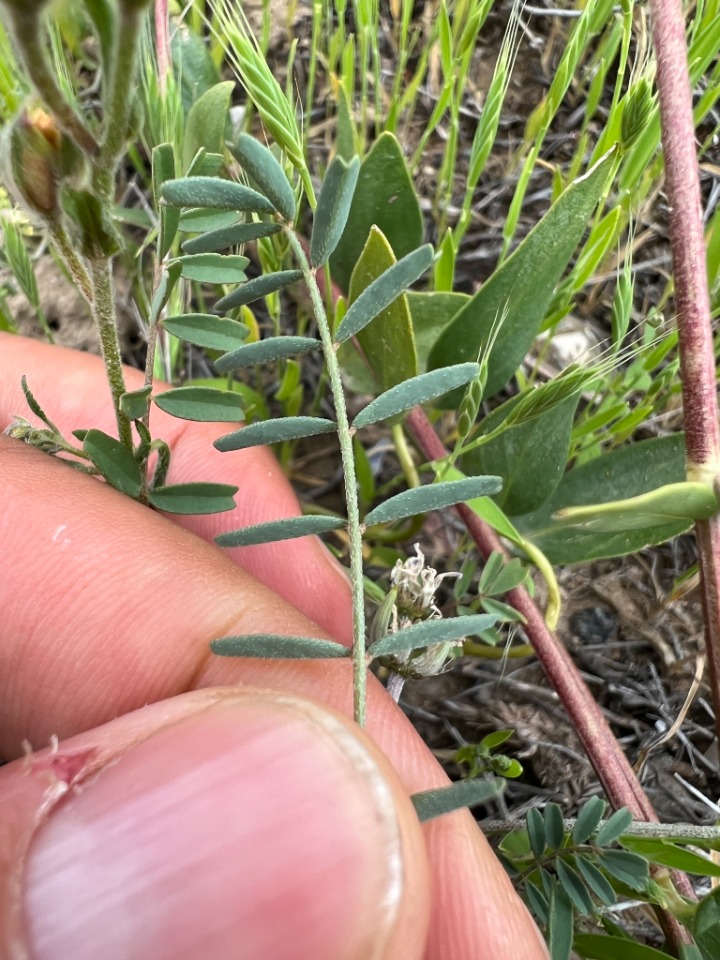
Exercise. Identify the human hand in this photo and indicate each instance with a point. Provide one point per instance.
(219, 821)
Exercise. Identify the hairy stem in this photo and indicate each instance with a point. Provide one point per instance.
(677, 832)
(72, 260)
(348, 462)
(104, 313)
(697, 360)
(29, 34)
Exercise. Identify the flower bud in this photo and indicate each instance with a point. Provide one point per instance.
(35, 160)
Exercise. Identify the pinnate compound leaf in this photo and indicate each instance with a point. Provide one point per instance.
(272, 646)
(202, 404)
(596, 880)
(383, 291)
(135, 404)
(272, 348)
(574, 887)
(333, 208)
(275, 431)
(114, 461)
(626, 867)
(588, 819)
(465, 793)
(595, 946)
(384, 198)
(415, 391)
(706, 926)
(194, 498)
(215, 194)
(207, 330)
(213, 267)
(671, 855)
(260, 164)
(537, 901)
(259, 287)
(225, 237)
(274, 530)
(554, 826)
(614, 827)
(433, 496)
(536, 831)
(522, 287)
(429, 632)
(560, 925)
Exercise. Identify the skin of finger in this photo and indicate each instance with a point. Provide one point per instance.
(80, 398)
(123, 617)
(31, 788)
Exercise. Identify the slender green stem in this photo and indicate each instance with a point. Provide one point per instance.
(29, 34)
(404, 455)
(104, 312)
(118, 99)
(348, 462)
(72, 260)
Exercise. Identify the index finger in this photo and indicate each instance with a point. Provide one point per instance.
(72, 389)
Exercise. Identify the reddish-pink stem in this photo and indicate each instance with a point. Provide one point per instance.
(697, 360)
(162, 42)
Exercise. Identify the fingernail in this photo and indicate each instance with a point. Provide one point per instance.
(258, 828)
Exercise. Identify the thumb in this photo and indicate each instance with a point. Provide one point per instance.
(221, 824)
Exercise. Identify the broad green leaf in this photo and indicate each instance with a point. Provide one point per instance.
(674, 501)
(614, 827)
(194, 498)
(706, 926)
(169, 276)
(432, 496)
(387, 342)
(345, 136)
(522, 287)
(202, 404)
(135, 404)
(193, 64)
(263, 351)
(207, 330)
(588, 819)
(384, 288)
(205, 123)
(484, 507)
(202, 219)
(384, 198)
(596, 880)
(163, 169)
(255, 405)
(272, 646)
(213, 268)
(431, 312)
(530, 457)
(415, 391)
(275, 530)
(626, 867)
(225, 237)
(671, 855)
(332, 208)
(574, 886)
(213, 193)
(430, 632)
(258, 287)
(465, 793)
(594, 946)
(626, 472)
(205, 164)
(260, 164)
(274, 431)
(560, 925)
(114, 461)
(536, 831)
(554, 827)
